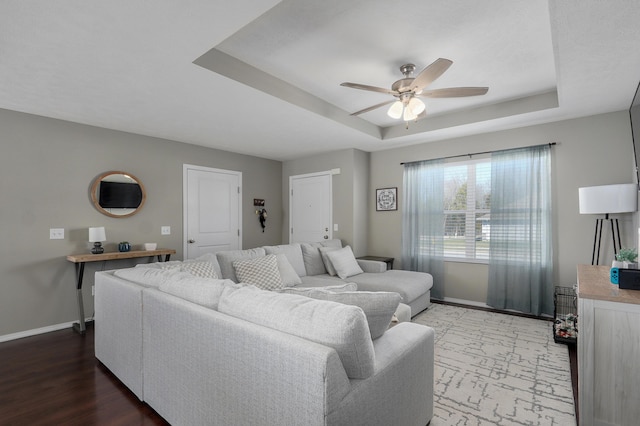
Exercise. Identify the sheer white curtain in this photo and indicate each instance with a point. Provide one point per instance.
(423, 221)
(520, 251)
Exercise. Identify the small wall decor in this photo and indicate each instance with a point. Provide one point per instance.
(257, 202)
(386, 199)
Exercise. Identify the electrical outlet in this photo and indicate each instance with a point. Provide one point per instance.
(165, 230)
(56, 234)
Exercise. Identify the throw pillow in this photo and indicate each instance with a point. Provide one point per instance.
(202, 269)
(344, 262)
(325, 259)
(335, 325)
(293, 252)
(226, 259)
(287, 272)
(262, 272)
(378, 306)
(312, 259)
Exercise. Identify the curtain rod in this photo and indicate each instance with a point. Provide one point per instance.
(480, 153)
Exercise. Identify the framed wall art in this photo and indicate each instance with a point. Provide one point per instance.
(386, 199)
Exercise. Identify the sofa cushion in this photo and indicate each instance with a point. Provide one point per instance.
(226, 259)
(262, 272)
(150, 277)
(344, 262)
(293, 252)
(409, 284)
(287, 272)
(342, 327)
(203, 291)
(378, 306)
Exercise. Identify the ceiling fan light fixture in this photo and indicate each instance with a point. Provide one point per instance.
(416, 106)
(408, 114)
(395, 111)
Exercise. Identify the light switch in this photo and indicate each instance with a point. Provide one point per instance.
(56, 234)
(335, 227)
(165, 230)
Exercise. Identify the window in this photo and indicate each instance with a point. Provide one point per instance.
(467, 204)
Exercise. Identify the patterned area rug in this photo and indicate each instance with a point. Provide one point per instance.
(497, 369)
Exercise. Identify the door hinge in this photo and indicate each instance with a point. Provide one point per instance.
(238, 232)
(238, 190)
(292, 192)
(292, 230)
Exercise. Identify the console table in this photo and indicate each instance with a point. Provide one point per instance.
(608, 348)
(80, 259)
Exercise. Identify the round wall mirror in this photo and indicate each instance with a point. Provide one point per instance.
(118, 194)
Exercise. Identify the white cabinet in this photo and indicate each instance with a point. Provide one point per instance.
(608, 350)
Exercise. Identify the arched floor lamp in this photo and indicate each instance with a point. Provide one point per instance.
(606, 200)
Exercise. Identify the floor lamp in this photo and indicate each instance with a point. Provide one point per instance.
(606, 200)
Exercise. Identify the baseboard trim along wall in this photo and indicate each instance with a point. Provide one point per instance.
(36, 331)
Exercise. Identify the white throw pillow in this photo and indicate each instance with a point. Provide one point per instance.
(287, 272)
(344, 262)
(262, 272)
(325, 259)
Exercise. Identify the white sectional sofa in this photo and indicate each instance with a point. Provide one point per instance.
(208, 351)
(309, 265)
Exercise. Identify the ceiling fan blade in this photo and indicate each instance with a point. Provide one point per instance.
(371, 108)
(369, 88)
(454, 92)
(430, 74)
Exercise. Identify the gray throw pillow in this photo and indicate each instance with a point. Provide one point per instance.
(262, 272)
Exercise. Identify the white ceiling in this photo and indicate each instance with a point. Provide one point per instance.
(261, 77)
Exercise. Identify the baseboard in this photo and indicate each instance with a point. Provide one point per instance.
(466, 302)
(36, 331)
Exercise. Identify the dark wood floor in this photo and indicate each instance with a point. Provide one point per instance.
(55, 379)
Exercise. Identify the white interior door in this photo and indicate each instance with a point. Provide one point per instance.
(212, 210)
(310, 205)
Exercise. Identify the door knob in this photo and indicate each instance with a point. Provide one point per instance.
(192, 241)
(326, 237)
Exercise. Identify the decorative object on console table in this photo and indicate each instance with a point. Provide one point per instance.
(606, 200)
(628, 257)
(80, 259)
(124, 246)
(150, 246)
(387, 260)
(386, 199)
(96, 236)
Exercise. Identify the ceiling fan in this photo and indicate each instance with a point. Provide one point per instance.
(407, 90)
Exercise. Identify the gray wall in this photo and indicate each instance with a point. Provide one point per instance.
(591, 151)
(46, 169)
(350, 195)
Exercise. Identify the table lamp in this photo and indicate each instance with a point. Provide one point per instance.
(97, 236)
(606, 200)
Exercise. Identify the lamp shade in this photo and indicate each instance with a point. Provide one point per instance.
(97, 234)
(605, 199)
